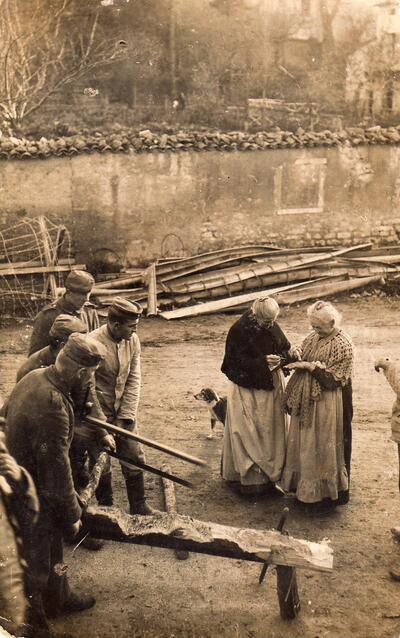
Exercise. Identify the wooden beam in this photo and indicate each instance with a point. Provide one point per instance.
(12, 270)
(152, 291)
(183, 532)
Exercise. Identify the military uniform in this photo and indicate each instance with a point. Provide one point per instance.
(45, 319)
(118, 380)
(19, 508)
(39, 417)
(78, 282)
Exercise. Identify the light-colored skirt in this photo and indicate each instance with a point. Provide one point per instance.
(255, 434)
(314, 467)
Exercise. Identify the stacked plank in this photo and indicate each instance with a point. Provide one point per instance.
(230, 279)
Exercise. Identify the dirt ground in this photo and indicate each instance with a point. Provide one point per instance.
(146, 592)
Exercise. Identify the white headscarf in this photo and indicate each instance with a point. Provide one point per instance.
(265, 309)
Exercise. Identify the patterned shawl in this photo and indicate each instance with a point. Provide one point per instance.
(335, 355)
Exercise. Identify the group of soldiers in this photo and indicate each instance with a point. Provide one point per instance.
(75, 367)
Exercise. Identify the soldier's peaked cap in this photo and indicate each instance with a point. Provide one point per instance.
(79, 281)
(81, 349)
(64, 325)
(125, 309)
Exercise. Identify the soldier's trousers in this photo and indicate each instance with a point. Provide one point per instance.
(46, 583)
(84, 442)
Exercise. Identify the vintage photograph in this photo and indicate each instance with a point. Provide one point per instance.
(199, 318)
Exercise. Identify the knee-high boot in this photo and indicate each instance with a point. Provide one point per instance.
(136, 495)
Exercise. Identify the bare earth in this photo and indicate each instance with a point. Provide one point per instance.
(145, 592)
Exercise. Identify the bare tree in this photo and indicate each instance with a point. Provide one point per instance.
(43, 46)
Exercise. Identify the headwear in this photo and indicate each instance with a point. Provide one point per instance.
(125, 309)
(64, 325)
(265, 309)
(81, 349)
(79, 281)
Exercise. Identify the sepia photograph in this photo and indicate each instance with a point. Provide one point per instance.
(199, 318)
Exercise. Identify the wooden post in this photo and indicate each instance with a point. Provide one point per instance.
(50, 280)
(170, 506)
(152, 290)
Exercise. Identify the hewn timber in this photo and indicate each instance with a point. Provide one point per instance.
(183, 532)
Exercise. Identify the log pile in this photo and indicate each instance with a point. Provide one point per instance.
(230, 279)
(209, 140)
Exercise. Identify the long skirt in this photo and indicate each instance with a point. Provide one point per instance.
(315, 466)
(255, 434)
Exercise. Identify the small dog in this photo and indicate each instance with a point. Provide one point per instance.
(216, 406)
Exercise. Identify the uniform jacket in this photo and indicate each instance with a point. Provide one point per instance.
(39, 429)
(45, 319)
(81, 394)
(19, 506)
(247, 345)
(40, 359)
(118, 377)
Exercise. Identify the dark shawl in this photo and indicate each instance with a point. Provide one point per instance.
(247, 345)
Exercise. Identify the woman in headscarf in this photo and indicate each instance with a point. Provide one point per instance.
(319, 399)
(255, 428)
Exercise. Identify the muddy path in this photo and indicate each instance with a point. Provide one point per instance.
(146, 592)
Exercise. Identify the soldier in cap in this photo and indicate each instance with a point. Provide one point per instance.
(39, 428)
(86, 442)
(74, 302)
(118, 380)
(63, 326)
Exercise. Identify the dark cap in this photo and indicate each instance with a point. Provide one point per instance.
(65, 325)
(125, 309)
(79, 281)
(81, 349)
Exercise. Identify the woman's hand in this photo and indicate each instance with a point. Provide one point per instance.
(295, 352)
(273, 359)
(301, 365)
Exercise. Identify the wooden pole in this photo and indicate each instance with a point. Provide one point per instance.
(50, 280)
(152, 291)
(183, 532)
(170, 506)
(113, 429)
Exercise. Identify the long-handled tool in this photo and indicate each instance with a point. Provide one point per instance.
(113, 429)
(133, 464)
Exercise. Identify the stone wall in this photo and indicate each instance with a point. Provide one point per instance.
(147, 205)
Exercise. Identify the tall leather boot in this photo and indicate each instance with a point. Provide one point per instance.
(104, 492)
(136, 496)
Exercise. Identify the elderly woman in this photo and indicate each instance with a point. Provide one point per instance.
(255, 428)
(319, 399)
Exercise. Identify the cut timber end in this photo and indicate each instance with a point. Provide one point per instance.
(183, 532)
